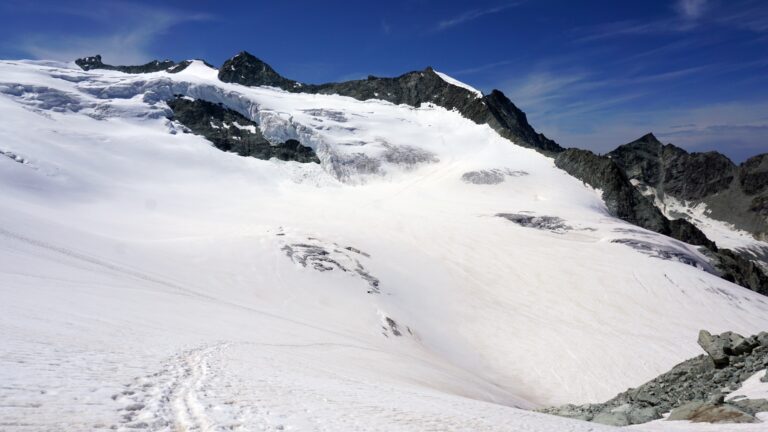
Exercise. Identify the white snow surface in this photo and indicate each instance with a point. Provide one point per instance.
(145, 282)
(457, 83)
(752, 388)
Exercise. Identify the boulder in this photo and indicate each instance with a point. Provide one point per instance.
(705, 412)
(715, 347)
(612, 418)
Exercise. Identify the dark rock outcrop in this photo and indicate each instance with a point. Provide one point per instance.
(94, 62)
(622, 199)
(693, 388)
(733, 194)
(230, 131)
(626, 202)
(739, 269)
(412, 88)
(753, 175)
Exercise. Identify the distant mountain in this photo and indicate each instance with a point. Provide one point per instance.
(412, 88)
(680, 182)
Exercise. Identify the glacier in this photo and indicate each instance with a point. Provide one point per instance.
(145, 282)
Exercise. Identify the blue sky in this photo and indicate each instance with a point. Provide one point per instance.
(591, 74)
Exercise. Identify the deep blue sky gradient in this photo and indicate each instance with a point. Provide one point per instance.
(592, 74)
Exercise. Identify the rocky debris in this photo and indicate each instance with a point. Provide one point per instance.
(546, 223)
(701, 382)
(729, 191)
(94, 62)
(412, 88)
(490, 176)
(663, 252)
(721, 348)
(230, 131)
(324, 257)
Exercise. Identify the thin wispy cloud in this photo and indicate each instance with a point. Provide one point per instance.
(385, 27)
(472, 15)
(482, 68)
(753, 18)
(691, 9)
(687, 16)
(132, 29)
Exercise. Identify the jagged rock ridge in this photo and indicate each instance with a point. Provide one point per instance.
(412, 88)
(95, 62)
(626, 202)
(737, 194)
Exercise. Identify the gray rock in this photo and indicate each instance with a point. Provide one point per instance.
(643, 415)
(703, 412)
(612, 418)
(751, 406)
(715, 347)
(694, 381)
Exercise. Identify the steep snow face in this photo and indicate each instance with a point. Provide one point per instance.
(149, 280)
(457, 83)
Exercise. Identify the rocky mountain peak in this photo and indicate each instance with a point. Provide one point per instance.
(412, 88)
(247, 69)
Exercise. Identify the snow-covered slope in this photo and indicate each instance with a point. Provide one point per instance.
(149, 280)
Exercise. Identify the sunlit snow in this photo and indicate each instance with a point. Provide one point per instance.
(151, 281)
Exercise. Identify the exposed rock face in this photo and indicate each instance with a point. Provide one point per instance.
(230, 131)
(622, 199)
(692, 390)
(734, 194)
(753, 175)
(94, 62)
(248, 70)
(626, 202)
(413, 88)
(739, 269)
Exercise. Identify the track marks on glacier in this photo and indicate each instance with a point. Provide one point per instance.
(172, 398)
